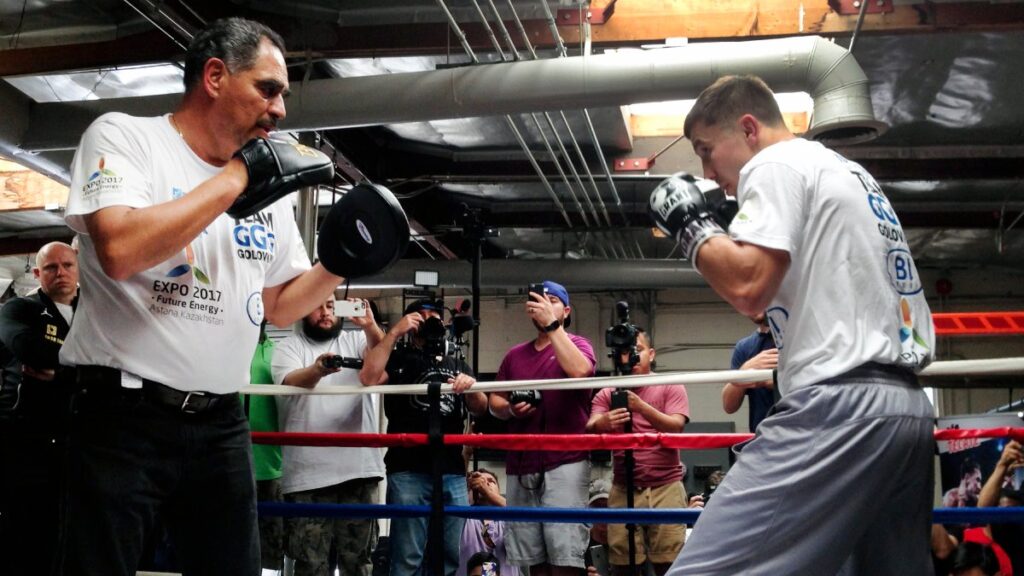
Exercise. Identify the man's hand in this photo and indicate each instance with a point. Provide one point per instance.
(1012, 456)
(765, 360)
(696, 501)
(522, 409)
(488, 491)
(43, 374)
(612, 421)
(540, 310)
(367, 319)
(409, 323)
(322, 367)
(636, 403)
(461, 382)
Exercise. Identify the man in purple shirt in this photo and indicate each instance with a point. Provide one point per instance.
(547, 479)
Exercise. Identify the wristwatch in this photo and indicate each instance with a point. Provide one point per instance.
(555, 325)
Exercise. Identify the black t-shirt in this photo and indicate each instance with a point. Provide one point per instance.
(409, 413)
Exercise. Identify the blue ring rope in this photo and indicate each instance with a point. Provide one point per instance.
(584, 515)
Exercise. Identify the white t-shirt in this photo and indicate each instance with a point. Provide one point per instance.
(309, 467)
(852, 293)
(191, 322)
(66, 311)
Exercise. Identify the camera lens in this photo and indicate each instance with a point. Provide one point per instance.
(432, 329)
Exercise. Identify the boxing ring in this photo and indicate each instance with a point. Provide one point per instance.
(565, 442)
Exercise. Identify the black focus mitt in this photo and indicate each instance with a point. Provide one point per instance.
(365, 232)
(277, 167)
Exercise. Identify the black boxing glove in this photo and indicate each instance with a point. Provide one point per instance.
(692, 210)
(277, 167)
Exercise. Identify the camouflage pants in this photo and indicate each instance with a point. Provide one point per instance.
(271, 527)
(309, 540)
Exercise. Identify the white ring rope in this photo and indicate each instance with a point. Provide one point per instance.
(953, 368)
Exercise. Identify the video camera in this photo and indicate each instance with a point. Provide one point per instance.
(440, 339)
(531, 397)
(435, 336)
(343, 362)
(621, 339)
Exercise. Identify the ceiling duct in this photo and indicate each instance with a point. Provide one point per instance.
(838, 86)
(574, 274)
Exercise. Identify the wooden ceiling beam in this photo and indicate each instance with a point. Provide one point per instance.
(651, 22)
(633, 23)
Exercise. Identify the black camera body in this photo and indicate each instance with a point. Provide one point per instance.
(435, 336)
(342, 362)
(621, 339)
(531, 397)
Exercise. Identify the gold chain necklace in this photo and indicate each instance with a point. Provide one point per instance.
(177, 129)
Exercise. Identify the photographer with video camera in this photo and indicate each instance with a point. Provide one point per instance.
(316, 358)
(539, 478)
(658, 472)
(426, 357)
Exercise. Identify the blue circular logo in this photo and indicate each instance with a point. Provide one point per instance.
(254, 308)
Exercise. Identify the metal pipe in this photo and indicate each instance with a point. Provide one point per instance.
(590, 127)
(547, 116)
(490, 31)
(558, 167)
(572, 167)
(860, 22)
(522, 30)
(458, 31)
(586, 168)
(536, 167)
(604, 165)
(511, 123)
(185, 32)
(572, 136)
(554, 29)
(504, 32)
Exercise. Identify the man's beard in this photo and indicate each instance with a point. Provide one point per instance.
(318, 334)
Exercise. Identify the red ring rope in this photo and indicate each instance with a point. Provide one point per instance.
(564, 442)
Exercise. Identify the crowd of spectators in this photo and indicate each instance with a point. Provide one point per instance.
(321, 353)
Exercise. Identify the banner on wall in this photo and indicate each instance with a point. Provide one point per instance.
(966, 464)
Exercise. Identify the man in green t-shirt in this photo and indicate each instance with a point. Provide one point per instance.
(262, 412)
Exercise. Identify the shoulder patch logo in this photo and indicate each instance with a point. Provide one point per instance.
(102, 170)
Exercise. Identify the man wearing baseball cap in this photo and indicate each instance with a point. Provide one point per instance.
(547, 479)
